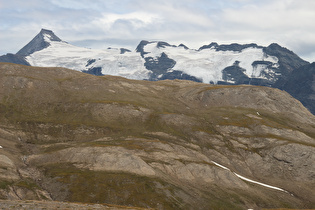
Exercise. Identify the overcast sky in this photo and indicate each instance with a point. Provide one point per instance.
(124, 23)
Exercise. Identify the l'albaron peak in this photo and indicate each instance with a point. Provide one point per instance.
(39, 42)
(157, 60)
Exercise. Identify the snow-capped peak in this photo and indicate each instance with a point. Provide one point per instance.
(40, 41)
(46, 49)
(49, 35)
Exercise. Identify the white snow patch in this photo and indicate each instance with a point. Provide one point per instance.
(231, 81)
(249, 180)
(258, 69)
(221, 166)
(47, 38)
(1, 147)
(152, 50)
(259, 183)
(61, 54)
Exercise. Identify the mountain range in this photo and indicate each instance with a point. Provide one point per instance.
(173, 144)
(233, 64)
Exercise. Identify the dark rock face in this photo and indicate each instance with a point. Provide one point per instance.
(123, 50)
(213, 44)
(184, 46)
(231, 47)
(14, 58)
(179, 75)
(288, 61)
(164, 44)
(141, 46)
(301, 85)
(90, 61)
(94, 71)
(269, 72)
(38, 43)
(235, 75)
(159, 66)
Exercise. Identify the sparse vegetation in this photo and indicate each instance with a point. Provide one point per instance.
(115, 188)
(156, 139)
(4, 184)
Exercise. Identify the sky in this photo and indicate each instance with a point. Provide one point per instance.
(101, 24)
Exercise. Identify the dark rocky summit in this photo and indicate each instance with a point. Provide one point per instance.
(288, 61)
(229, 47)
(39, 42)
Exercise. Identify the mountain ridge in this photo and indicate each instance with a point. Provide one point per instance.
(168, 59)
(232, 64)
(39, 42)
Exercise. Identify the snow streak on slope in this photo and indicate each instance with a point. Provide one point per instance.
(208, 64)
(249, 180)
(61, 54)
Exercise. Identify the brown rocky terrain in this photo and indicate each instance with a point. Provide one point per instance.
(44, 204)
(70, 136)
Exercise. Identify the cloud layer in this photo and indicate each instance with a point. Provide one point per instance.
(100, 24)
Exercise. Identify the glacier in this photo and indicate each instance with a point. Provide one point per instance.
(232, 64)
(112, 62)
(207, 64)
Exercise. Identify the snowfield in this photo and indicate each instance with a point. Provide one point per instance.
(208, 64)
(62, 54)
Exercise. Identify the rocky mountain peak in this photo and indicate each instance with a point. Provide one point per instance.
(40, 41)
(184, 46)
(159, 44)
(141, 46)
(49, 35)
(212, 44)
(164, 44)
(229, 47)
(288, 61)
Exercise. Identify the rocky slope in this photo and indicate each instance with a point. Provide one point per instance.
(305, 90)
(44, 205)
(69, 136)
(14, 58)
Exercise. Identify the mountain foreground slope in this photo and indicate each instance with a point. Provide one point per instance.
(70, 136)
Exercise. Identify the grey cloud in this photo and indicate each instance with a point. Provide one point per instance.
(193, 22)
(105, 43)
